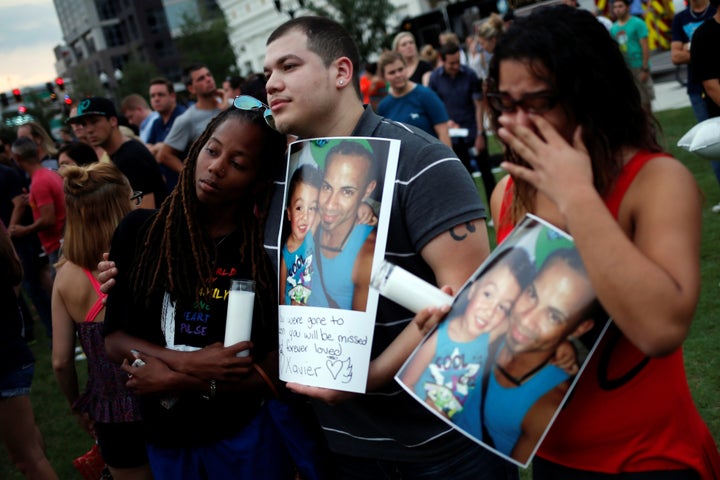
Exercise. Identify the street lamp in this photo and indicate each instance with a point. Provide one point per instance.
(105, 80)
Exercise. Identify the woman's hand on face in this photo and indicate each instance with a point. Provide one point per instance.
(558, 170)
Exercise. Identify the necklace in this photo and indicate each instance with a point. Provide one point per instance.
(517, 381)
(342, 244)
(699, 15)
(217, 243)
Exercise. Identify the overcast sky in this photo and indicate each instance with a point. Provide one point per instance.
(29, 30)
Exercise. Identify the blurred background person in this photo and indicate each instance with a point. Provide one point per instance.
(139, 115)
(164, 101)
(18, 432)
(417, 70)
(409, 102)
(45, 199)
(75, 154)
(44, 142)
(430, 55)
(97, 198)
(483, 44)
(231, 88)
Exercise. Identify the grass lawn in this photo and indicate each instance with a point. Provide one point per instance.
(65, 441)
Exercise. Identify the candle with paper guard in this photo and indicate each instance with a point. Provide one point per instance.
(238, 324)
(406, 289)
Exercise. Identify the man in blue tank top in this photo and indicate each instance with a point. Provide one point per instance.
(345, 246)
(524, 388)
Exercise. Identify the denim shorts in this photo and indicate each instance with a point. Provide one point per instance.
(17, 383)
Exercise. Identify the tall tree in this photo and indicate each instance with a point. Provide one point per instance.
(136, 76)
(204, 39)
(366, 20)
(85, 84)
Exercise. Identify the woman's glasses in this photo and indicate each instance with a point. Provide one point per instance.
(246, 102)
(137, 197)
(538, 102)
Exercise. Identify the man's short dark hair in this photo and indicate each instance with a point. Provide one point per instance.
(163, 81)
(26, 149)
(235, 81)
(353, 148)
(187, 72)
(450, 48)
(254, 85)
(326, 38)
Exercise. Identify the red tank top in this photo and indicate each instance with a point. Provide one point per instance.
(98, 305)
(628, 413)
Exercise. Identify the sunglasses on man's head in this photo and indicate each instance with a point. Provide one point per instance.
(538, 102)
(246, 102)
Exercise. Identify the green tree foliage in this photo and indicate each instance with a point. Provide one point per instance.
(136, 78)
(204, 39)
(85, 84)
(366, 20)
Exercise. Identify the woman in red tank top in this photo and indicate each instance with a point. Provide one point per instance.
(582, 154)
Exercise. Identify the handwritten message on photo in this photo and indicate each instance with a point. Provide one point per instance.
(337, 208)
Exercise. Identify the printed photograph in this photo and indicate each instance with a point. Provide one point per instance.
(329, 231)
(501, 364)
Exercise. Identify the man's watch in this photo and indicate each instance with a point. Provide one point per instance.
(645, 69)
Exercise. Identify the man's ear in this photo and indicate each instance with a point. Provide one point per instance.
(344, 75)
(583, 328)
(369, 189)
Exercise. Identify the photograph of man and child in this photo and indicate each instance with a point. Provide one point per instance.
(502, 362)
(330, 229)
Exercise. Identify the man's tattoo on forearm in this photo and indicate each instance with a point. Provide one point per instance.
(470, 226)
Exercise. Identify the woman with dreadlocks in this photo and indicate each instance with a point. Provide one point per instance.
(204, 407)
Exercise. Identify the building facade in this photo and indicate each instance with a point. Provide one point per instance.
(250, 23)
(103, 35)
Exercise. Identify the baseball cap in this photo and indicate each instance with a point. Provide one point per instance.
(94, 106)
(549, 241)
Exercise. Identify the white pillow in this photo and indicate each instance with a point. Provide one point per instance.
(703, 139)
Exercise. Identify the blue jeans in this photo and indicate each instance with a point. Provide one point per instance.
(699, 106)
(257, 451)
(701, 114)
(17, 383)
(474, 463)
(33, 265)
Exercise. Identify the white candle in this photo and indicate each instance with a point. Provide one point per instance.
(406, 289)
(238, 324)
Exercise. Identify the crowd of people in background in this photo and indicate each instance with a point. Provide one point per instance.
(178, 193)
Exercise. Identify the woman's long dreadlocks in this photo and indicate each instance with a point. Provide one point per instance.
(176, 234)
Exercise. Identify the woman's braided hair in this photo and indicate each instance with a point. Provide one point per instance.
(177, 254)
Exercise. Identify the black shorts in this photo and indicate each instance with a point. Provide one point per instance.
(122, 445)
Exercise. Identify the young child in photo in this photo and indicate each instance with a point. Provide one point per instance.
(296, 263)
(450, 364)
